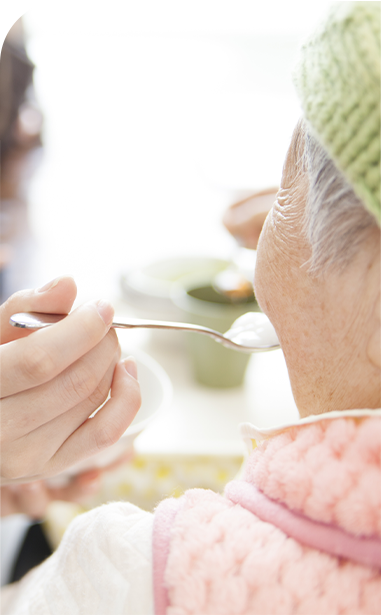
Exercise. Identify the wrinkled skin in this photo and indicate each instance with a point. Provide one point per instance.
(328, 325)
(244, 220)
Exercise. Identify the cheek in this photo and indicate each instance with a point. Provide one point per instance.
(275, 284)
(265, 283)
(259, 286)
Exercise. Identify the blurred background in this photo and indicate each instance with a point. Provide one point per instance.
(127, 128)
(156, 117)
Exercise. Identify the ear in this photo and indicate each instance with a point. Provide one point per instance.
(374, 344)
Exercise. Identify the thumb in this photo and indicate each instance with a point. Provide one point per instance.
(108, 424)
(56, 297)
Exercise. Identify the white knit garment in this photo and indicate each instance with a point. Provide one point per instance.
(102, 566)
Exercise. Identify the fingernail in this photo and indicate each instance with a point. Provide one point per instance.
(105, 310)
(49, 285)
(131, 367)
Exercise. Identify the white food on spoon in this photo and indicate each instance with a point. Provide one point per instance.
(253, 329)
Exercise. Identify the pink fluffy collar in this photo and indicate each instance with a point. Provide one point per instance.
(327, 468)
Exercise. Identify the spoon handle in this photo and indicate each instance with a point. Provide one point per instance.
(40, 320)
(186, 327)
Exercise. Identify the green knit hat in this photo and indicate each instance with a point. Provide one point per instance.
(338, 81)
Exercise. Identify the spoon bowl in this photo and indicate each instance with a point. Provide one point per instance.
(250, 333)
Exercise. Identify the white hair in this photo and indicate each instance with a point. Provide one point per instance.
(336, 220)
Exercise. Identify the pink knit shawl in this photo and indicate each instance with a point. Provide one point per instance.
(273, 486)
(317, 535)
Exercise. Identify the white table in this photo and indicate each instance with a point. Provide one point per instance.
(203, 420)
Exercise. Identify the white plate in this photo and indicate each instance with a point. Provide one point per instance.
(156, 389)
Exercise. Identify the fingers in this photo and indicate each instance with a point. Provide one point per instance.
(31, 499)
(87, 483)
(36, 449)
(40, 357)
(27, 456)
(108, 425)
(56, 297)
(52, 381)
(77, 389)
(8, 501)
(81, 487)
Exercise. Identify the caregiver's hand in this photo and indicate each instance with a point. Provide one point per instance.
(53, 379)
(33, 499)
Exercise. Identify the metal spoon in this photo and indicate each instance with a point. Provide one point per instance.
(250, 333)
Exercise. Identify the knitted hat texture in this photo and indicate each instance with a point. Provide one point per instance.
(338, 82)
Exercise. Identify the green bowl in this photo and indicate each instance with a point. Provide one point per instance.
(213, 364)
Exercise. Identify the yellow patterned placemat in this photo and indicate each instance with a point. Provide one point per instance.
(145, 481)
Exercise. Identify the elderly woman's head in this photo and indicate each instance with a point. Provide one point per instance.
(318, 267)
